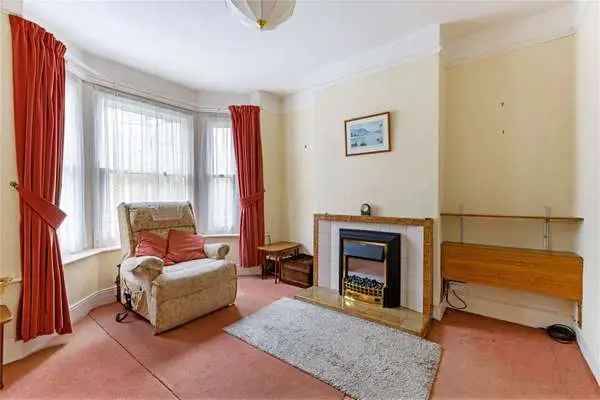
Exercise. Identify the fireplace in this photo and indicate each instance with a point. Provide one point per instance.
(370, 266)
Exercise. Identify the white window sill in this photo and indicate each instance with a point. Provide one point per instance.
(71, 258)
(219, 235)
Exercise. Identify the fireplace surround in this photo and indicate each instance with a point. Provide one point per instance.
(414, 314)
(370, 267)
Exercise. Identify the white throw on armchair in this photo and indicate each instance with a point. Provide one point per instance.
(173, 295)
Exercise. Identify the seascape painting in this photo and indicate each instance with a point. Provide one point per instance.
(368, 134)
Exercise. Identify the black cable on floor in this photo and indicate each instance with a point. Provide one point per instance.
(135, 358)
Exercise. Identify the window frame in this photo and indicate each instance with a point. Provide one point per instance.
(91, 166)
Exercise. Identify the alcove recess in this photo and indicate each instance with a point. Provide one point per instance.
(544, 271)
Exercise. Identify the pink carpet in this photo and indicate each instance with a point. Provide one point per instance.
(483, 358)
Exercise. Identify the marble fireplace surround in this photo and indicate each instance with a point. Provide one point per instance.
(416, 254)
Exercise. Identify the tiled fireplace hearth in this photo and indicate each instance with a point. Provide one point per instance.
(377, 268)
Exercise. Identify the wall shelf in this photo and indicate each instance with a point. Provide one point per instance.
(534, 217)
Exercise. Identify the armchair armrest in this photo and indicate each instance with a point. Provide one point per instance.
(216, 250)
(146, 267)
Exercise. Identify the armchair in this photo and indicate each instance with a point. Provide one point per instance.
(171, 296)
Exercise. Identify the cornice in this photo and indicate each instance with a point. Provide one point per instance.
(422, 43)
(554, 24)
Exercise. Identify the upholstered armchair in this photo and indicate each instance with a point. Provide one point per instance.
(169, 296)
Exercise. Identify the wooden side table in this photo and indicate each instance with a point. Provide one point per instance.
(277, 251)
(5, 317)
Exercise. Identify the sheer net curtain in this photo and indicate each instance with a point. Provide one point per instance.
(123, 148)
(217, 197)
(142, 152)
(72, 233)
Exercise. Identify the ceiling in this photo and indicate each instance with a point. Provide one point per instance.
(199, 44)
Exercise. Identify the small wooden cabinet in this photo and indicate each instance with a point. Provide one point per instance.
(298, 270)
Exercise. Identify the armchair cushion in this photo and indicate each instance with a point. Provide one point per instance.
(184, 246)
(146, 268)
(150, 244)
(216, 250)
(188, 277)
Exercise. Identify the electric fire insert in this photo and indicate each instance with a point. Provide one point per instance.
(370, 266)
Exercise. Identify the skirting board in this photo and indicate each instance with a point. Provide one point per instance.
(83, 307)
(518, 313)
(439, 310)
(248, 271)
(588, 355)
(15, 350)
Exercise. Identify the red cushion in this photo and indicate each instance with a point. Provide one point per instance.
(184, 246)
(151, 244)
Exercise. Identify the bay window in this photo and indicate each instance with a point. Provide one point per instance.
(121, 148)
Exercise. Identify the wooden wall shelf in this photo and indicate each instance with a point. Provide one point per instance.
(535, 217)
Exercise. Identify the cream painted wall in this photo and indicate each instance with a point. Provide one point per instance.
(273, 173)
(10, 263)
(319, 177)
(299, 203)
(529, 166)
(587, 184)
(403, 182)
(88, 275)
(9, 246)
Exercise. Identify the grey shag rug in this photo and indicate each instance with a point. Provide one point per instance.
(363, 359)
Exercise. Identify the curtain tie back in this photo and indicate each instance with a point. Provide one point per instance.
(51, 214)
(248, 201)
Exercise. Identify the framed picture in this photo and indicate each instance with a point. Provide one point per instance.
(368, 135)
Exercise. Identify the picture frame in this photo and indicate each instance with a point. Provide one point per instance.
(369, 134)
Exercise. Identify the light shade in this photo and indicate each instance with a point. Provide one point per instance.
(262, 14)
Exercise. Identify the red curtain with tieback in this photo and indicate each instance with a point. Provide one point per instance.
(39, 104)
(248, 156)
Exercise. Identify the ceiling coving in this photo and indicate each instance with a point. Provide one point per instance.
(262, 14)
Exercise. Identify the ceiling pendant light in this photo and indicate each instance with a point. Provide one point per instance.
(262, 14)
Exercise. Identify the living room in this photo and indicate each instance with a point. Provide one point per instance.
(435, 170)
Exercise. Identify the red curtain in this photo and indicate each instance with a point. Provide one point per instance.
(39, 103)
(248, 155)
